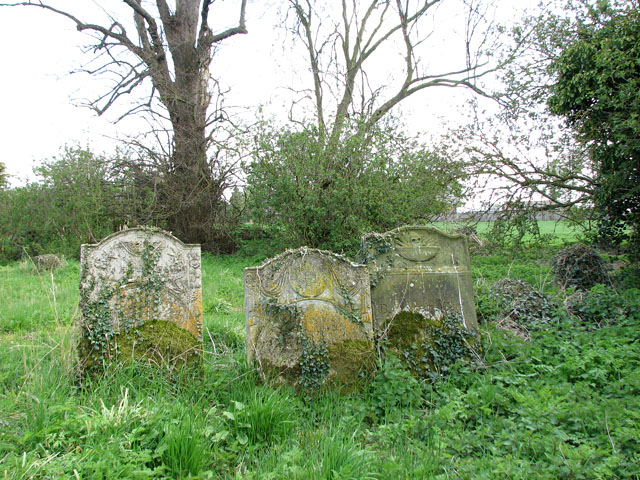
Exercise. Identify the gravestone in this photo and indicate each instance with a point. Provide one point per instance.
(141, 297)
(47, 262)
(420, 284)
(308, 318)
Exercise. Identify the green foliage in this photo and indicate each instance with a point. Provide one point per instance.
(325, 195)
(314, 364)
(602, 305)
(394, 387)
(429, 346)
(579, 266)
(564, 405)
(333, 458)
(80, 198)
(517, 226)
(183, 446)
(628, 277)
(266, 418)
(597, 91)
(4, 176)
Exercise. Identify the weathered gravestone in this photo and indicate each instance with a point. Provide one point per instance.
(421, 294)
(47, 262)
(141, 297)
(308, 318)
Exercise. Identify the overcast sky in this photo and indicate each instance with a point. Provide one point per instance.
(38, 95)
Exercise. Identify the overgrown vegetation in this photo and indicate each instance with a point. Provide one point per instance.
(326, 196)
(579, 266)
(562, 405)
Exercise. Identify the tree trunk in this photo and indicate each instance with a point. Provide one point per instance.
(174, 49)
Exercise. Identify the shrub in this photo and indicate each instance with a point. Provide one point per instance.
(579, 266)
(80, 197)
(326, 195)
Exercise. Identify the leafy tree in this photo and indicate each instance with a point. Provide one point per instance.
(597, 91)
(164, 50)
(326, 198)
(4, 176)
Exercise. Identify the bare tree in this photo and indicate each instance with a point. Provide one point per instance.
(343, 38)
(521, 154)
(171, 49)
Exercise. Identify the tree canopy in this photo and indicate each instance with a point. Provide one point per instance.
(597, 91)
(159, 56)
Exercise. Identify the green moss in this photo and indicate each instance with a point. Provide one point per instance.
(351, 359)
(405, 338)
(407, 328)
(157, 342)
(428, 346)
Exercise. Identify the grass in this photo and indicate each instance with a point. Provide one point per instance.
(564, 406)
(554, 232)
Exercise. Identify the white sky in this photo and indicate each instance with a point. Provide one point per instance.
(37, 94)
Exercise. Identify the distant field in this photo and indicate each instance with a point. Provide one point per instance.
(560, 231)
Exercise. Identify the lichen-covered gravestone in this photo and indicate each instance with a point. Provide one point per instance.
(421, 294)
(141, 298)
(308, 318)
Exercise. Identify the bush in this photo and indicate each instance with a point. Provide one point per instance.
(326, 194)
(80, 197)
(579, 266)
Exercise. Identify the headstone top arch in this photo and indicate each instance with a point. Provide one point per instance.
(417, 247)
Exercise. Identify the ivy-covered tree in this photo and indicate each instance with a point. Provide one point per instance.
(597, 91)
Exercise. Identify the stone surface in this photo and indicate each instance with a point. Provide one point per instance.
(47, 262)
(308, 318)
(137, 286)
(419, 275)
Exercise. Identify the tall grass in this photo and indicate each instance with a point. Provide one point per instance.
(564, 405)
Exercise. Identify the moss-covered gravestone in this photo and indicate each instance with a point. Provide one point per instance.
(141, 298)
(421, 294)
(308, 318)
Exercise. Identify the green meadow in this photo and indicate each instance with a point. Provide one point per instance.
(564, 405)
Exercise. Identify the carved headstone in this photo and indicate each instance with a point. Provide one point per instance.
(308, 318)
(141, 297)
(420, 277)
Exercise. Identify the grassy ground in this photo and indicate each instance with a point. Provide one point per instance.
(553, 233)
(564, 405)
